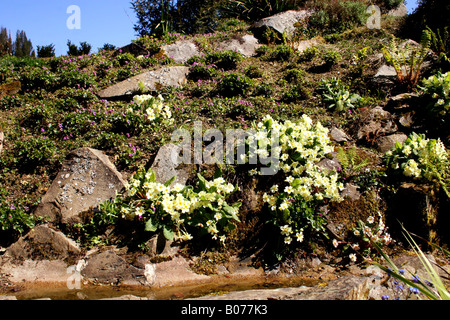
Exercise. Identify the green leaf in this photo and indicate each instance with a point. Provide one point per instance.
(168, 183)
(218, 173)
(151, 226)
(169, 234)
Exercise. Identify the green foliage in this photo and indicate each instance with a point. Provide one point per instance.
(83, 49)
(295, 75)
(331, 58)
(296, 92)
(46, 51)
(434, 288)
(14, 219)
(309, 54)
(34, 152)
(22, 47)
(226, 60)
(253, 72)
(336, 95)
(282, 53)
(200, 71)
(234, 84)
(351, 161)
(336, 16)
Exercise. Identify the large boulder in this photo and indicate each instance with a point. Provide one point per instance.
(153, 80)
(44, 243)
(245, 45)
(168, 164)
(374, 123)
(181, 51)
(282, 23)
(86, 179)
(109, 268)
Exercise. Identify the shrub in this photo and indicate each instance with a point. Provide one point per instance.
(336, 16)
(331, 58)
(200, 71)
(282, 53)
(309, 54)
(84, 49)
(253, 72)
(296, 92)
(35, 152)
(46, 51)
(233, 84)
(226, 60)
(295, 75)
(14, 220)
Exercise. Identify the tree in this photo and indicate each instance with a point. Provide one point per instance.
(23, 47)
(84, 48)
(434, 14)
(158, 17)
(46, 51)
(5, 42)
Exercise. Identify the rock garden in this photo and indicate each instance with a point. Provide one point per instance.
(112, 186)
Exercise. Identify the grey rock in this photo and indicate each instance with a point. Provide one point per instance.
(109, 268)
(305, 44)
(168, 164)
(181, 50)
(86, 179)
(351, 191)
(153, 80)
(400, 11)
(376, 122)
(245, 45)
(338, 135)
(282, 23)
(44, 243)
(384, 144)
(385, 76)
(330, 164)
(7, 298)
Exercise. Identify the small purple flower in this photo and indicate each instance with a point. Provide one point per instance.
(12, 207)
(385, 297)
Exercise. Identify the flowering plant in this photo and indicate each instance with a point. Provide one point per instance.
(421, 158)
(436, 91)
(303, 186)
(144, 110)
(175, 209)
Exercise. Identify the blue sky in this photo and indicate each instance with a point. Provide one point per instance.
(102, 21)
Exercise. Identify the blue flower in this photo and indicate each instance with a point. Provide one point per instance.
(401, 271)
(414, 290)
(385, 297)
(415, 279)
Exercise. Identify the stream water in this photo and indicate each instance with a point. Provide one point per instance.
(216, 287)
